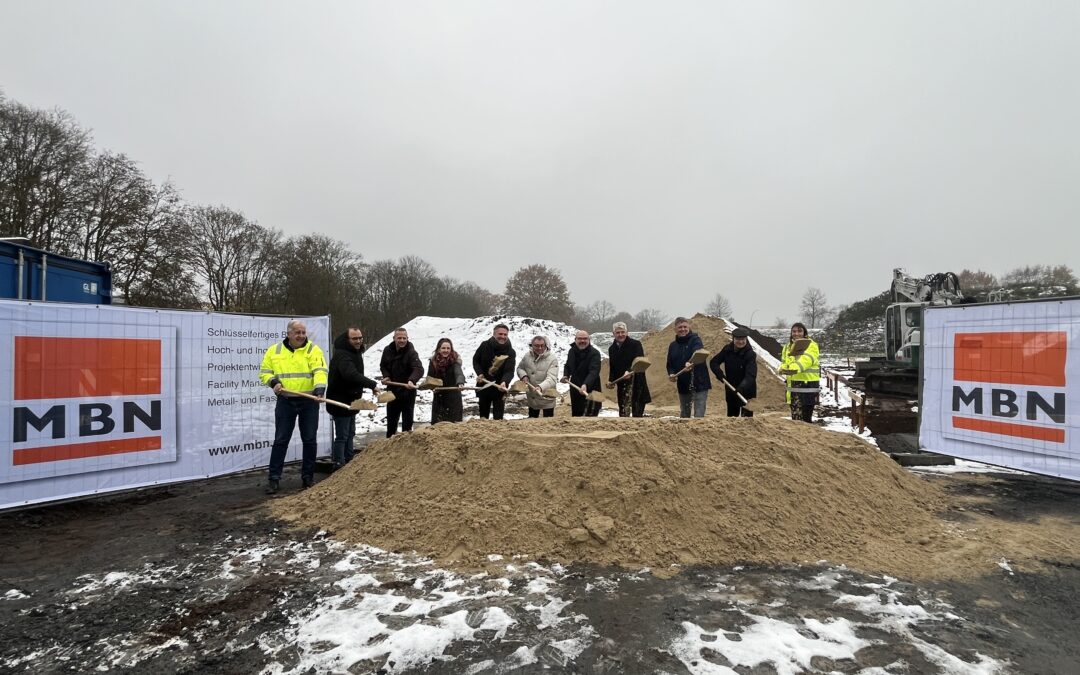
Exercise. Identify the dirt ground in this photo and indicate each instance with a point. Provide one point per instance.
(200, 578)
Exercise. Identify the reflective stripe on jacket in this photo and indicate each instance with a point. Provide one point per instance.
(302, 369)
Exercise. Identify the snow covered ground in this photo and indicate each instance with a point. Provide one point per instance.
(361, 609)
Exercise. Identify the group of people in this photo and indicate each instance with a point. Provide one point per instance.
(298, 373)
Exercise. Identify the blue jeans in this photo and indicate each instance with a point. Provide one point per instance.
(286, 414)
(344, 433)
(697, 399)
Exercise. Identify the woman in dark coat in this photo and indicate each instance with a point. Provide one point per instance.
(445, 364)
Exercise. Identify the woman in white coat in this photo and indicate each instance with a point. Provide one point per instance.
(539, 369)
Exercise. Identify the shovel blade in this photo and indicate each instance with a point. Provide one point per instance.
(386, 397)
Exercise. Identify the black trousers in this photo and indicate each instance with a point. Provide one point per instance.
(802, 403)
(401, 407)
(535, 412)
(581, 406)
(735, 407)
(491, 402)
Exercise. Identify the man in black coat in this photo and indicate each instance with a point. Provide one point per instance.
(633, 392)
(740, 370)
(400, 363)
(346, 384)
(492, 400)
(583, 369)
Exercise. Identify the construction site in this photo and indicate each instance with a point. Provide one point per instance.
(605, 544)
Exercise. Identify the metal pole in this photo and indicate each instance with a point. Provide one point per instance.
(751, 324)
(21, 282)
(44, 275)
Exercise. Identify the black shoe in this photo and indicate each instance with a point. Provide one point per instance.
(308, 481)
(272, 487)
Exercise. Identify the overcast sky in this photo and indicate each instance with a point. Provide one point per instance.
(654, 152)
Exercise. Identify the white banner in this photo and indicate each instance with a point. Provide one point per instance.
(1001, 385)
(98, 399)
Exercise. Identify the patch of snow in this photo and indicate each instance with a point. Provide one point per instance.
(15, 594)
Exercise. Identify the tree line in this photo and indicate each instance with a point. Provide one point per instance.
(65, 196)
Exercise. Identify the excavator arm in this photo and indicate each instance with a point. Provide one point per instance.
(942, 288)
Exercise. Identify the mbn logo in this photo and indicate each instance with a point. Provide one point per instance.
(1007, 403)
(95, 419)
(1010, 384)
(86, 398)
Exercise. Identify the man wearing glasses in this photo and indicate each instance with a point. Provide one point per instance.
(347, 383)
(583, 370)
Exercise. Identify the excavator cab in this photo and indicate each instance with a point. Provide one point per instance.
(903, 332)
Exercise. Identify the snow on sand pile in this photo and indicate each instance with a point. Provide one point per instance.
(635, 492)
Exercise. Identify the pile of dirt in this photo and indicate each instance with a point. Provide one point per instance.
(635, 492)
(770, 395)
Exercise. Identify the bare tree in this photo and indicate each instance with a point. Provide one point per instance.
(814, 307)
(232, 257)
(153, 267)
(780, 322)
(649, 319)
(317, 275)
(43, 159)
(624, 317)
(719, 306)
(599, 314)
(539, 291)
(463, 299)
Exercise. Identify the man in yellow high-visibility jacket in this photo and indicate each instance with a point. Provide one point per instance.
(799, 364)
(296, 364)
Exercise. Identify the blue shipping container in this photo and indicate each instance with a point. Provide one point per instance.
(28, 273)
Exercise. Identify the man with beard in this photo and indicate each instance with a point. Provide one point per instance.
(582, 369)
(347, 383)
(400, 363)
(632, 393)
(740, 370)
(494, 361)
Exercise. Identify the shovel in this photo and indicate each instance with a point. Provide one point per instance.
(430, 383)
(594, 396)
(339, 404)
(699, 357)
(487, 384)
(496, 363)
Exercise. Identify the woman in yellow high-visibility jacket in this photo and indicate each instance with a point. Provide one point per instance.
(799, 364)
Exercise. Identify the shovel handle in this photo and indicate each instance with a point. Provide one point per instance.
(320, 400)
(397, 384)
(729, 386)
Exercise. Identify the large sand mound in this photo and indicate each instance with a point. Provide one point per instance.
(638, 492)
